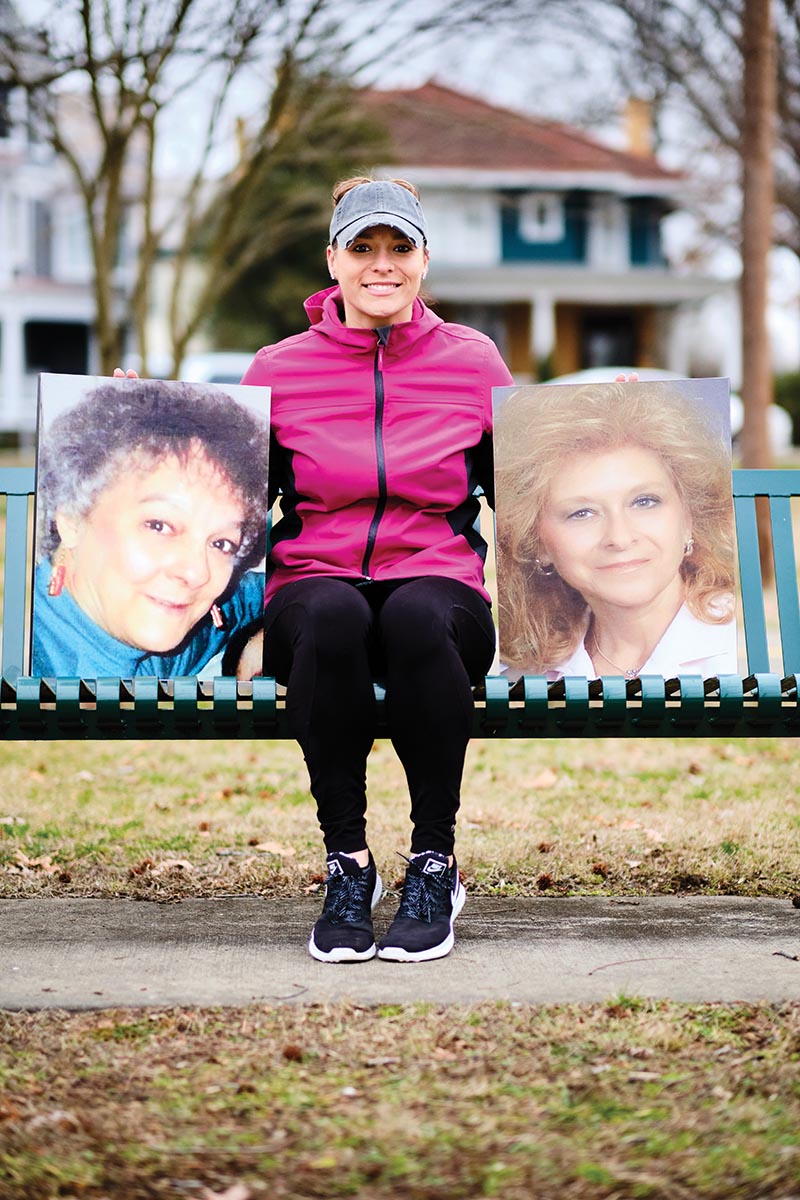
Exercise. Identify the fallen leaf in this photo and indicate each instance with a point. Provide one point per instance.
(59, 1119)
(239, 1191)
(545, 779)
(142, 868)
(43, 864)
(275, 848)
(172, 864)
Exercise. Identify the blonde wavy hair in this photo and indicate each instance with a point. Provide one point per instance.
(542, 618)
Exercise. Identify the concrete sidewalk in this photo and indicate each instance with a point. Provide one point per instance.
(88, 954)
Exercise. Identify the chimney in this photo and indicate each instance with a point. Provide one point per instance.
(638, 121)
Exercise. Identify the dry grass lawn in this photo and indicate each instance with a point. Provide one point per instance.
(555, 817)
(620, 1100)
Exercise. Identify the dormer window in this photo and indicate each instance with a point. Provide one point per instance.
(5, 116)
(541, 217)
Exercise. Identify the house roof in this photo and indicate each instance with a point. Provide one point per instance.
(435, 126)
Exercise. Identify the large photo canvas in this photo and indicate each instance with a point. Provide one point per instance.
(151, 522)
(614, 522)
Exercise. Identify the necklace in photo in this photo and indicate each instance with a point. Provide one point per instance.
(630, 673)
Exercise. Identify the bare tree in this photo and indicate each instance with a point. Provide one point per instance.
(105, 77)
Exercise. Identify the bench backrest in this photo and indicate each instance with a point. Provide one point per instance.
(778, 486)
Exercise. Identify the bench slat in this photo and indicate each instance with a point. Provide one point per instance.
(786, 581)
(15, 584)
(755, 625)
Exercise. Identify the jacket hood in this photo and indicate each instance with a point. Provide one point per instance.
(323, 314)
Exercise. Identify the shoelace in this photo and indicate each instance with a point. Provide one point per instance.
(347, 896)
(425, 896)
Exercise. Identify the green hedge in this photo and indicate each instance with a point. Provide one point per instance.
(787, 394)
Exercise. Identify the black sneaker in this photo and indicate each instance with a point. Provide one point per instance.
(433, 896)
(344, 931)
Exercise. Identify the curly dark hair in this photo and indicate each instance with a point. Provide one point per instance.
(149, 420)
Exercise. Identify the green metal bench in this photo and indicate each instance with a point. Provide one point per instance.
(762, 703)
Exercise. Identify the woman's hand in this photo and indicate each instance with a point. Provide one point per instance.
(632, 378)
(251, 660)
(129, 374)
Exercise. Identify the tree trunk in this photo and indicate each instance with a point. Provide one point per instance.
(758, 143)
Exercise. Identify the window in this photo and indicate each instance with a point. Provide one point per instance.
(541, 217)
(5, 115)
(42, 240)
(58, 346)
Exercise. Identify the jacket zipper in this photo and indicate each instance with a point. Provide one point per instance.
(383, 337)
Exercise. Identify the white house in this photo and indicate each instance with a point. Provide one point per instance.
(46, 304)
(551, 241)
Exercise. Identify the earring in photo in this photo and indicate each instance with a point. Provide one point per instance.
(58, 573)
(217, 617)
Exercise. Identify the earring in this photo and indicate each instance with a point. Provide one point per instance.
(56, 584)
(217, 617)
(688, 548)
(332, 275)
(424, 274)
(545, 569)
(58, 572)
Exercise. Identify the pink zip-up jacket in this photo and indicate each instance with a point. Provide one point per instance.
(379, 438)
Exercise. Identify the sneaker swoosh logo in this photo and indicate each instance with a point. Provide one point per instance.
(335, 868)
(433, 868)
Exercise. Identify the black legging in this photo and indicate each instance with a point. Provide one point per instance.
(428, 640)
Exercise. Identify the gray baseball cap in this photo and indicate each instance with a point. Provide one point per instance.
(379, 203)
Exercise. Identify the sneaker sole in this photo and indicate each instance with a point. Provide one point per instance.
(340, 954)
(400, 954)
(345, 954)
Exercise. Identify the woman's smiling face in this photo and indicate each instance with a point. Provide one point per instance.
(379, 275)
(155, 551)
(615, 528)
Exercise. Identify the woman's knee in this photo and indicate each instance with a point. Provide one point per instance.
(328, 612)
(420, 615)
(434, 618)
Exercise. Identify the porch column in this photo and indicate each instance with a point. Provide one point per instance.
(543, 327)
(12, 397)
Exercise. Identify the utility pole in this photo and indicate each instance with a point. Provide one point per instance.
(758, 198)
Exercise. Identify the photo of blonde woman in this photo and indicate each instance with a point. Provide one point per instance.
(615, 529)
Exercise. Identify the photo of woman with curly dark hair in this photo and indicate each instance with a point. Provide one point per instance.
(615, 529)
(151, 513)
